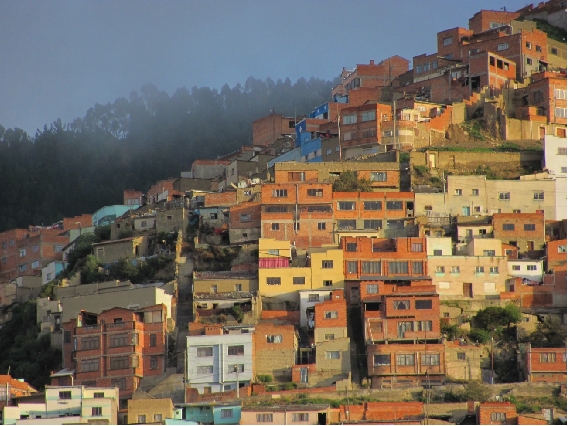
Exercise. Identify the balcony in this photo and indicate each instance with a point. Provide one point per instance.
(120, 326)
(88, 329)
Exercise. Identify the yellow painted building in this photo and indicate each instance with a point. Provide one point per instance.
(321, 269)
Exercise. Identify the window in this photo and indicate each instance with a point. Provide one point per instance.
(455, 270)
(378, 177)
(407, 359)
(329, 337)
(352, 267)
(394, 205)
(538, 48)
(418, 69)
(236, 350)
(560, 113)
(561, 249)
(538, 195)
(57, 248)
(321, 226)
(332, 355)
(417, 268)
(416, 247)
(299, 280)
(4, 260)
(440, 270)
(531, 268)
(398, 267)
(264, 418)
(559, 94)
(213, 288)
(461, 356)
(369, 133)
(352, 247)
(238, 287)
(279, 193)
(142, 418)
(327, 264)
(437, 252)
(274, 338)
(458, 192)
(504, 195)
(447, 41)
(431, 359)
(22, 252)
(346, 224)
(65, 395)
(508, 227)
(226, 413)
(528, 44)
(435, 64)
(493, 270)
(300, 417)
(315, 192)
(118, 383)
(89, 343)
(562, 151)
(548, 357)
(245, 217)
(204, 369)
(158, 417)
(529, 227)
(330, 314)
(502, 46)
(371, 267)
(368, 115)
(313, 298)
(153, 363)
(119, 362)
(327, 283)
(35, 264)
(23, 267)
(554, 51)
(345, 205)
(212, 216)
(479, 269)
(489, 253)
(236, 367)
(372, 288)
(423, 304)
(328, 151)
(273, 280)
(350, 119)
(275, 226)
(516, 267)
(117, 340)
(372, 205)
(372, 224)
(401, 305)
(204, 351)
(498, 417)
(381, 360)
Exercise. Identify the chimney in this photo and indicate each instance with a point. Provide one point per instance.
(372, 62)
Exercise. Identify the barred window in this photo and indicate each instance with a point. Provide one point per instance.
(274, 338)
(351, 247)
(89, 365)
(299, 280)
(352, 267)
(378, 177)
(315, 192)
(368, 115)
(327, 264)
(394, 205)
(372, 288)
(330, 315)
(276, 209)
(371, 267)
(264, 418)
(117, 340)
(119, 362)
(279, 193)
(90, 343)
(204, 369)
(423, 325)
(273, 280)
(236, 350)
(373, 224)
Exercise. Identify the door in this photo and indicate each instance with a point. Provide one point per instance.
(467, 290)
(530, 245)
(465, 210)
(432, 160)
(452, 162)
(354, 295)
(541, 132)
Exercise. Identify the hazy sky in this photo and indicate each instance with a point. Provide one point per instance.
(59, 58)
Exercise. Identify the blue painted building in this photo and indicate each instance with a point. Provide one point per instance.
(107, 214)
(207, 413)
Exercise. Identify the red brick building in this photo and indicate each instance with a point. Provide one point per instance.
(161, 190)
(522, 230)
(244, 222)
(545, 365)
(76, 222)
(276, 348)
(25, 252)
(361, 125)
(485, 20)
(132, 197)
(496, 413)
(407, 412)
(298, 212)
(117, 347)
(267, 129)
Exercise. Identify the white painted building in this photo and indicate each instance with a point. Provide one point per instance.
(527, 269)
(308, 299)
(555, 155)
(212, 359)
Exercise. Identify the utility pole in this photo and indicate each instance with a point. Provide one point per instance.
(492, 371)
(394, 123)
(184, 376)
(236, 369)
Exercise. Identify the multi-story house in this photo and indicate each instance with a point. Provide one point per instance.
(555, 150)
(361, 129)
(544, 365)
(478, 275)
(117, 347)
(26, 252)
(276, 350)
(268, 129)
(67, 405)
(282, 274)
(402, 331)
(380, 214)
(149, 410)
(244, 222)
(522, 230)
(300, 213)
(220, 360)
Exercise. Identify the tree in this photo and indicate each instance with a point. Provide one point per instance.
(495, 317)
(476, 391)
(548, 334)
(349, 182)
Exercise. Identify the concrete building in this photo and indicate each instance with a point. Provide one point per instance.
(276, 349)
(555, 155)
(207, 413)
(244, 222)
(126, 248)
(530, 270)
(67, 405)
(313, 414)
(278, 277)
(224, 282)
(216, 360)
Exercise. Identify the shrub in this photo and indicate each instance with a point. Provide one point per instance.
(264, 378)
(479, 335)
(421, 170)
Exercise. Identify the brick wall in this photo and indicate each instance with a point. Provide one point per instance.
(220, 199)
(483, 19)
(524, 237)
(275, 359)
(85, 221)
(267, 129)
(497, 409)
